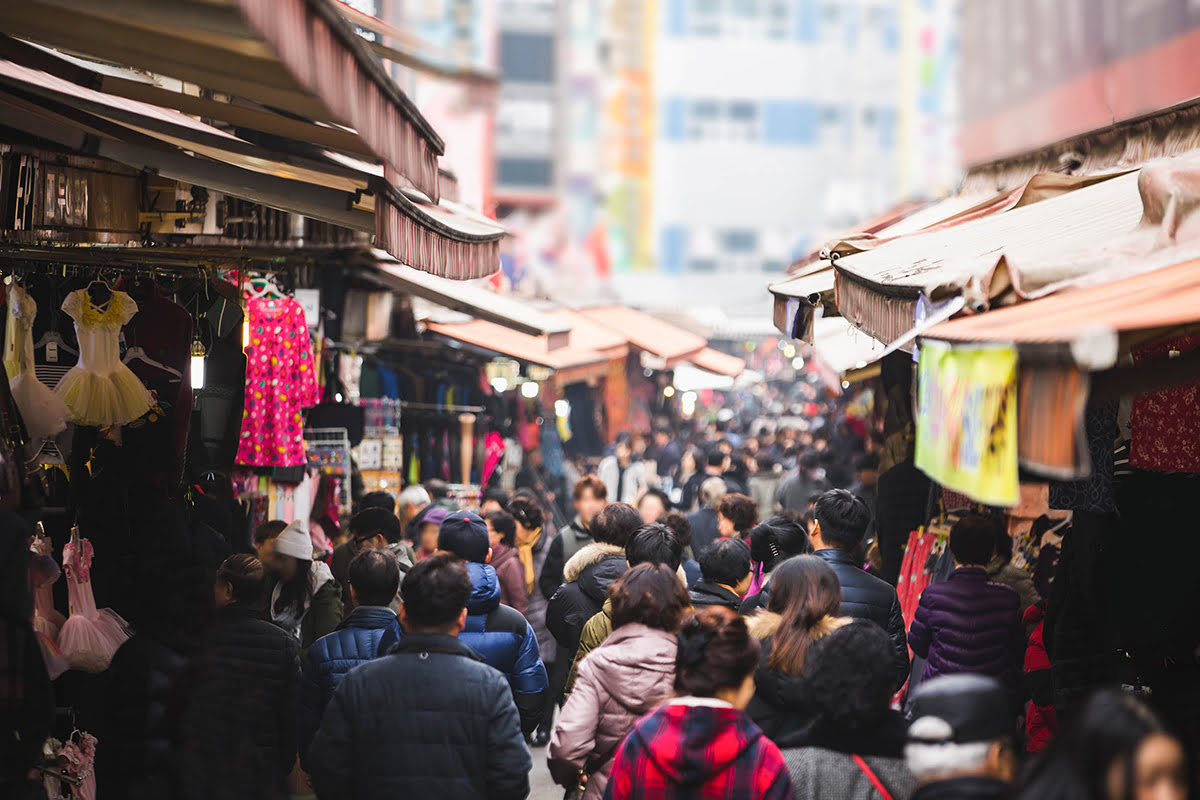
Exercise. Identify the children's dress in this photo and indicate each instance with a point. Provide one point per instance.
(100, 390)
(78, 760)
(89, 637)
(43, 573)
(44, 413)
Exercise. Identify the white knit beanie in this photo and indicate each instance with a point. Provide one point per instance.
(295, 542)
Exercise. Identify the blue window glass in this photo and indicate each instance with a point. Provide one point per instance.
(886, 121)
(790, 122)
(672, 247)
(807, 21)
(674, 111)
(676, 22)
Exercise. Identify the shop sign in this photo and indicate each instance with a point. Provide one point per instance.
(967, 420)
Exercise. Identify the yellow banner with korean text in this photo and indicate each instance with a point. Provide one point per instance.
(967, 420)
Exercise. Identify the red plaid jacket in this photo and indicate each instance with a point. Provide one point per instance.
(694, 748)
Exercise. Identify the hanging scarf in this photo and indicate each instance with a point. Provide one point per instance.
(525, 553)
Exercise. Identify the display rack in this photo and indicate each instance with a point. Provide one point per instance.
(328, 451)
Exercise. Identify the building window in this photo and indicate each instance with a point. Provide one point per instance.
(672, 247)
(702, 265)
(790, 122)
(525, 172)
(674, 119)
(527, 57)
(751, 19)
(739, 241)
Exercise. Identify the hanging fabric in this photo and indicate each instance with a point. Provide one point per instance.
(44, 413)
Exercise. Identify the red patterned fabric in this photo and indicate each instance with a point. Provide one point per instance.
(913, 575)
(699, 752)
(1041, 718)
(1165, 425)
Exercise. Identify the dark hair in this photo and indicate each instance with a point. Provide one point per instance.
(778, 539)
(292, 593)
(973, 541)
(1108, 729)
(435, 590)
(525, 511)
(804, 591)
(849, 675)
(655, 543)
(499, 495)
(437, 488)
(716, 458)
(244, 574)
(650, 594)
(375, 577)
(765, 463)
(269, 530)
(592, 485)
(370, 522)
(678, 522)
(377, 499)
(740, 510)
(615, 523)
(503, 523)
(866, 461)
(716, 651)
(660, 494)
(809, 460)
(725, 561)
(843, 518)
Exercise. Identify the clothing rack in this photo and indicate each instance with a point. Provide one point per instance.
(448, 408)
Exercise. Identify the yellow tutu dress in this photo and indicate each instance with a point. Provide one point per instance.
(100, 390)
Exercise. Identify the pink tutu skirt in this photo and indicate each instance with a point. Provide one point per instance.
(89, 642)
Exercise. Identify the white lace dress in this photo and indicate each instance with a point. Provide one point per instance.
(44, 413)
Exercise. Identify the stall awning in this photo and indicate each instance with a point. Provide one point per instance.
(989, 260)
(688, 378)
(796, 298)
(842, 350)
(650, 334)
(717, 362)
(489, 337)
(443, 239)
(588, 334)
(477, 301)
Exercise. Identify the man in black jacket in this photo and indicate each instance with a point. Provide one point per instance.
(590, 496)
(842, 521)
(428, 720)
(725, 575)
(239, 728)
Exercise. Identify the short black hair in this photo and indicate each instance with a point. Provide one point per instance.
(438, 489)
(615, 523)
(377, 499)
(973, 540)
(843, 518)
(375, 576)
(716, 458)
(660, 494)
(809, 460)
(435, 590)
(371, 521)
(655, 543)
(725, 561)
(244, 574)
(499, 495)
(678, 522)
(525, 511)
(778, 539)
(503, 523)
(866, 461)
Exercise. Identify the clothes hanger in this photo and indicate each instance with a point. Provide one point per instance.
(100, 282)
(264, 286)
(141, 355)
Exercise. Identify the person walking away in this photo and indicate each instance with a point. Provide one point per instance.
(623, 476)
(966, 623)
(764, 485)
(736, 516)
(804, 608)
(428, 720)
(679, 525)
(866, 488)
(374, 584)
(700, 744)
(239, 727)
(653, 505)
(590, 497)
(653, 544)
(809, 480)
(692, 473)
(1001, 570)
(666, 455)
(303, 597)
(771, 543)
(960, 740)
(502, 534)
(626, 676)
(725, 575)
(853, 745)
(500, 635)
(841, 522)
(533, 539)
(370, 529)
(1115, 748)
(705, 521)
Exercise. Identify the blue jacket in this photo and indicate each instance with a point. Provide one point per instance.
(355, 641)
(505, 640)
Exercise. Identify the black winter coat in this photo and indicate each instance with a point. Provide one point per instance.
(429, 720)
(239, 729)
(588, 574)
(866, 597)
(706, 593)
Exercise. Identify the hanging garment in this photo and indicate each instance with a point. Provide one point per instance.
(99, 389)
(43, 574)
(78, 760)
(89, 637)
(280, 383)
(44, 412)
(1165, 425)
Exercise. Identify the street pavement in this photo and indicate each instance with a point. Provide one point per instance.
(540, 785)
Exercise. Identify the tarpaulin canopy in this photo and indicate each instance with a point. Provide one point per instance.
(717, 362)
(647, 333)
(492, 338)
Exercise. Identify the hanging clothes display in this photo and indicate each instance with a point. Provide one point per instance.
(100, 390)
(280, 383)
(90, 636)
(44, 413)
(1165, 425)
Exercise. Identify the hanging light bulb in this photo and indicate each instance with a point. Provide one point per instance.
(245, 332)
(529, 390)
(198, 354)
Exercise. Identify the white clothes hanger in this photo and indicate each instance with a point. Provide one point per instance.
(141, 355)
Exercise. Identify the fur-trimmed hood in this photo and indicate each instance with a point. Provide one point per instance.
(591, 554)
(764, 624)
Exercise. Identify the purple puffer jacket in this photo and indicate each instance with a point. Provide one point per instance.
(968, 624)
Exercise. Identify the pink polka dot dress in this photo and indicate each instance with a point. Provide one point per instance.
(281, 382)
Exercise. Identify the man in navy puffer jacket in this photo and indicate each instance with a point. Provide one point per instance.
(374, 582)
(498, 633)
